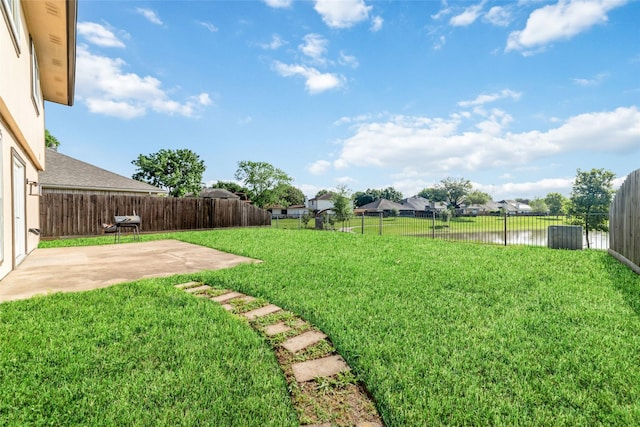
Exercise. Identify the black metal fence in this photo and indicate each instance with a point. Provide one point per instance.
(534, 230)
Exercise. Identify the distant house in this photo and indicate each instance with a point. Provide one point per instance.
(384, 206)
(419, 206)
(515, 207)
(64, 174)
(416, 203)
(321, 203)
(218, 193)
(490, 207)
(297, 210)
(277, 211)
(293, 211)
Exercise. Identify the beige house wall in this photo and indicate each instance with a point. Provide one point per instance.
(22, 138)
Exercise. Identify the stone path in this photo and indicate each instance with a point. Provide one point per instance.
(324, 391)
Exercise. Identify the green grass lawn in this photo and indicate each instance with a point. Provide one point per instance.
(440, 332)
(136, 354)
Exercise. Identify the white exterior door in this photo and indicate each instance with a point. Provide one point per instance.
(19, 220)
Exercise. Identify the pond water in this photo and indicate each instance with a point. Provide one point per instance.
(597, 239)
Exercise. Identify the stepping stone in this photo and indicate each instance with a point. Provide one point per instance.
(325, 367)
(318, 425)
(276, 329)
(262, 311)
(368, 424)
(226, 297)
(187, 285)
(198, 289)
(302, 341)
(246, 299)
(227, 307)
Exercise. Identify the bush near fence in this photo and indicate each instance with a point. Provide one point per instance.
(69, 214)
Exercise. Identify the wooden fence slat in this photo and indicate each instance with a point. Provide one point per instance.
(66, 214)
(624, 222)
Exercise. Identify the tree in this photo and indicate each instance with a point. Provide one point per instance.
(556, 203)
(178, 171)
(391, 193)
(590, 198)
(266, 183)
(538, 205)
(362, 198)
(231, 186)
(322, 193)
(454, 191)
(477, 197)
(433, 194)
(51, 141)
(342, 205)
(367, 197)
(293, 196)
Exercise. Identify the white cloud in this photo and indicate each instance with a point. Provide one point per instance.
(559, 21)
(203, 99)
(342, 13)
(499, 16)
(467, 17)
(349, 60)
(120, 109)
(150, 15)
(376, 23)
(439, 43)
(209, 26)
(486, 98)
(438, 145)
(445, 10)
(275, 43)
(344, 180)
(316, 82)
(106, 88)
(278, 3)
(529, 189)
(591, 82)
(314, 47)
(319, 167)
(98, 34)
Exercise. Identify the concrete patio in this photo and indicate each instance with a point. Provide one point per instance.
(90, 267)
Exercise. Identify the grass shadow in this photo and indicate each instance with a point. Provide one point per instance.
(625, 280)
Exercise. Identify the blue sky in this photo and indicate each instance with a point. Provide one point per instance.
(514, 96)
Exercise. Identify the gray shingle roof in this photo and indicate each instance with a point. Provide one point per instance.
(218, 193)
(383, 205)
(416, 203)
(62, 171)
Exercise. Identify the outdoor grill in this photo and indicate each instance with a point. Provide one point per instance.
(127, 221)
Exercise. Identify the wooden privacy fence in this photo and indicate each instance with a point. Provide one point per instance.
(624, 223)
(83, 215)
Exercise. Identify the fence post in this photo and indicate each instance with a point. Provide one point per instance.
(362, 222)
(433, 224)
(381, 213)
(506, 214)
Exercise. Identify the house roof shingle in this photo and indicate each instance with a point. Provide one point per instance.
(382, 205)
(62, 171)
(218, 193)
